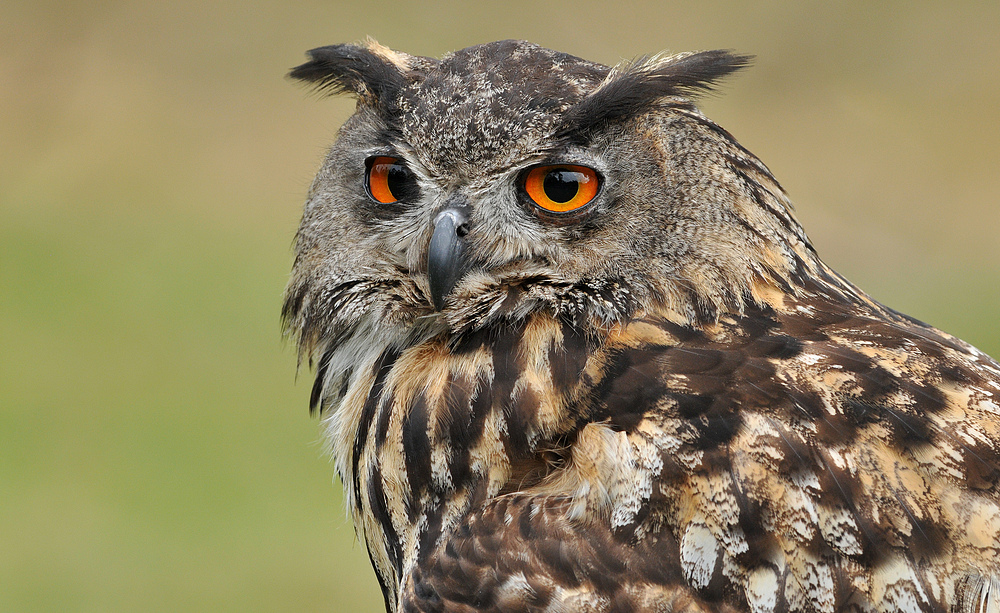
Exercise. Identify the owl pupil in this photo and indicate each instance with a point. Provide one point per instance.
(561, 185)
(397, 179)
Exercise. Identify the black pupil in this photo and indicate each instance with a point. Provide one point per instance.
(561, 185)
(397, 180)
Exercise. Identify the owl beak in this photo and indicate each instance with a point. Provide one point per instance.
(446, 255)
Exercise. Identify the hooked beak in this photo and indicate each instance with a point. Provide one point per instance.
(446, 261)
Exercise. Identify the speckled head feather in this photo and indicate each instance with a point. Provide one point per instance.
(656, 399)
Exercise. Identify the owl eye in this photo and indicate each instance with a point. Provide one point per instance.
(561, 189)
(388, 180)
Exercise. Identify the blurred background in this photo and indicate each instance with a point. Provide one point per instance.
(156, 453)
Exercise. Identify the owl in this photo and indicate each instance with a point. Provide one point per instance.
(574, 352)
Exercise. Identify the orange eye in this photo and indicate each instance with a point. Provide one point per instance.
(388, 180)
(563, 188)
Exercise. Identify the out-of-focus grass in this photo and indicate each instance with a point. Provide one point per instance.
(155, 450)
(156, 455)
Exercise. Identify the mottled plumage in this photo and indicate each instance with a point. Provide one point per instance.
(661, 401)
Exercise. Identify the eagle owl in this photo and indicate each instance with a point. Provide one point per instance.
(575, 353)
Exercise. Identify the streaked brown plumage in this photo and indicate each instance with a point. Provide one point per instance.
(663, 401)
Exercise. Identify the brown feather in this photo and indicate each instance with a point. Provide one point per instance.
(667, 403)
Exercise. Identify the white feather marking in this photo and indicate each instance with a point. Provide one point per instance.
(762, 589)
(699, 555)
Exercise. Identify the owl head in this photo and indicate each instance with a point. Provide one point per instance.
(507, 179)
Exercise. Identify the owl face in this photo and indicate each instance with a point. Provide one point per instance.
(508, 178)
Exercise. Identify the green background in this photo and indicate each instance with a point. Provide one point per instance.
(156, 453)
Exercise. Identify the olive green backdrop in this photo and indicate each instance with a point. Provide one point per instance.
(156, 453)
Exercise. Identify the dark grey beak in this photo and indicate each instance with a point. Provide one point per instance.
(446, 255)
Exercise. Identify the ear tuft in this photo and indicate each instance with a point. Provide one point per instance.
(631, 89)
(375, 74)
